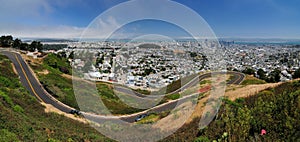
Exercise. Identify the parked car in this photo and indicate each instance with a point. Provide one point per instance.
(74, 111)
(140, 117)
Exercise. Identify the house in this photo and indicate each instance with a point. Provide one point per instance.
(34, 54)
(96, 76)
(130, 80)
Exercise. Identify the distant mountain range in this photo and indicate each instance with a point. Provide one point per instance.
(48, 40)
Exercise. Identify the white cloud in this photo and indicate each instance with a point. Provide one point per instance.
(100, 28)
(103, 28)
(42, 31)
(30, 18)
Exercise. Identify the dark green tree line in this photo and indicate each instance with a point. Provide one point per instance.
(8, 41)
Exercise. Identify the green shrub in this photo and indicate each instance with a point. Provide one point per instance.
(18, 108)
(252, 81)
(7, 136)
(52, 140)
(57, 62)
(173, 96)
(6, 98)
(5, 82)
(202, 139)
(205, 82)
(275, 110)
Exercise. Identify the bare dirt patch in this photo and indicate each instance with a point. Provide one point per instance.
(32, 60)
(49, 108)
(44, 72)
(66, 76)
(14, 69)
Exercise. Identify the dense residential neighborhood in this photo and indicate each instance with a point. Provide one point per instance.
(267, 58)
(140, 65)
(158, 64)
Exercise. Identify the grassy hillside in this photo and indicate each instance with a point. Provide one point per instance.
(277, 110)
(62, 89)
(252, 80)
(58, 86)
(22, 118)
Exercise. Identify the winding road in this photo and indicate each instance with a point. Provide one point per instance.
(31, 83)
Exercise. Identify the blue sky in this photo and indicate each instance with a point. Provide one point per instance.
(227, 18)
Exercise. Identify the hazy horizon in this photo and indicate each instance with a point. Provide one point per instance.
(227, 18)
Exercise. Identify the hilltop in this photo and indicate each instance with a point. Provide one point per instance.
(245, 111)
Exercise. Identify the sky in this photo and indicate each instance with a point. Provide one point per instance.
(227, 18)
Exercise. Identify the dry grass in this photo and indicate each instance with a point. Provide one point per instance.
(14, 69)
(176, 118)
(32, 60)
(50, 109)
(249, 80)
(235, 91)
(44, 72)
(248, 90)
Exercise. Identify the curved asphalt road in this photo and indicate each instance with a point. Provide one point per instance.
(237, 79)
(32, 84)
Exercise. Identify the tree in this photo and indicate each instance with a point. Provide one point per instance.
(296, 74)
(261, 74)
(36, 45)
(62, 54)
(39, 46)
(249, 71)
(274, 76)
(31, 47)
(100, 60)
(17, 43)
(193, 54)
(24, 46)
(6, 41)
(149, 71)
(71, 56)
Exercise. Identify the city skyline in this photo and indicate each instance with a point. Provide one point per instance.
(228, 19)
